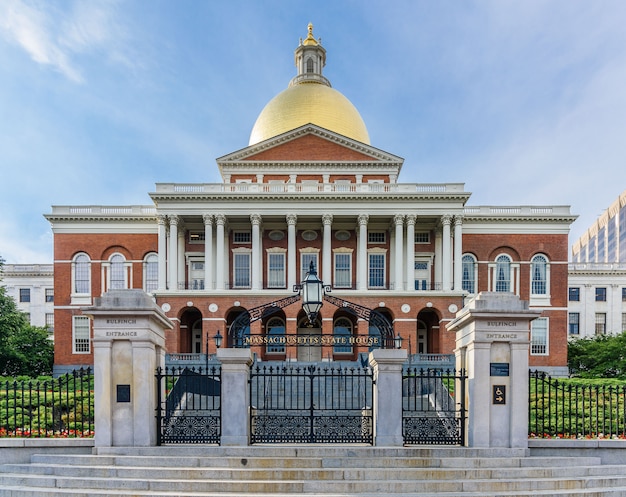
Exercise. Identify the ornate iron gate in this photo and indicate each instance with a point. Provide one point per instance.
(311, 404)
(189, 405)
(433, 406)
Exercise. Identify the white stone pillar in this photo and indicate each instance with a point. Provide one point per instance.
(410, 252)
(362, 260)
(173, 254)
(235, 403)
(398, 259)
(208, 251)
(255, 219)
(387, 366)
(291, 251)
(162, 253)
(446, 254)
(458, 253)
(327, 263)
(129, 345)
(438, 265)
(492, 345)
(182, 266)
(220, 221)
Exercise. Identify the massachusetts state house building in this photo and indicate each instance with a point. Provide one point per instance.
(310, 188)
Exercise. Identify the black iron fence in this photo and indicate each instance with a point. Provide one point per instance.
(433, 406)
(189, 405)
(311, 404)
(55, 407)
(563, 409)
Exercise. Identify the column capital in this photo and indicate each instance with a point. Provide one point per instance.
(220, 219)
(255, 219)
(327, 219)
(458, 220)
(411, 219)
(174, 219)
(161, 219)
(398, 219)
(363, 219)
(446, 220)
(208, 219)
(292, 219)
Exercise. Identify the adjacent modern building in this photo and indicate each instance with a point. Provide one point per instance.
(309, 190)
(597, 276)
(32, 288)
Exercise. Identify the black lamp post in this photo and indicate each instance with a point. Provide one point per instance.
(312, 294)
(397, 341)
(218, 339)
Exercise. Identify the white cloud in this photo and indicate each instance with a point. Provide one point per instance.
(56, 37)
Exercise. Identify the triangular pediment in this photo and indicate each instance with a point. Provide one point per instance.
(310, 143)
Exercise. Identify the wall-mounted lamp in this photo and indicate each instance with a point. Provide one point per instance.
(218, 339)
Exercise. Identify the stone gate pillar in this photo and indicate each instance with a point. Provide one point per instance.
(129, 344)
(492, 345)
(387, 365)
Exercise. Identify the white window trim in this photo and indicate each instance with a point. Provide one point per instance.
(75, 297)
(74, 338)
(538, 299)
(342, 251)
(277, 251)
(106, 273)
(513, 277)
(547, 352)
(144, 283)
(242, 250)
(377, 251)
(475, 271)
(307, 251)
(376, 232)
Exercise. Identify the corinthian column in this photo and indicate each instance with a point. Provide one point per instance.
(327, 220)
(446, 220)
(173, 255)
(162, 249)
(208, 251)
(362, 280)
(220, 221)
(458, 252)
(410, 251)
(291, 250)
(255, 219)
(399, 223)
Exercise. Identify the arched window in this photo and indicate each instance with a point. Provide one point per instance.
(82, 274)
(342, 332)
(309, 65)
(539, 275)
(151, 273)
(117, 277)
(469, 273)
(503, 273)
(275, 336)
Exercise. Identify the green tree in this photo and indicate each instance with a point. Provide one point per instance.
(602, 356)
(24, 349)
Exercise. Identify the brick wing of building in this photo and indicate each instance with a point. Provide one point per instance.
(310, 189)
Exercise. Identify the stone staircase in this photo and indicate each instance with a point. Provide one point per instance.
(314, 471)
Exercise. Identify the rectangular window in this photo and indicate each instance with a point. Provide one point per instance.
(81, 336)
(600, 323)
(574, 323)
(196, 236)
(422, 237)
(24, 294)
(50, 321)
(343, 270)
(600, 294)
(49, 294)
(305, 264)
(376, 237)
(539, 336)
(242, 237)
(241, 270)
(624, 294)
(574, 294)
(276, 270)
(376, 271)
(601, 254)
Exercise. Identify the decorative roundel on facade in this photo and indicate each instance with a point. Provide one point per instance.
(342, 235)
(213, 307)
(190, 304)
(405, 308)
(309, 235)
(236, 303)
(453, 308)
(381, 304)
(429, 304)
(166, 307)
(276, 235)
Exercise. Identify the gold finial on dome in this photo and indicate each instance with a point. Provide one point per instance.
(310, 39)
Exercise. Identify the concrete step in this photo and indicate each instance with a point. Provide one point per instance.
(276, 471)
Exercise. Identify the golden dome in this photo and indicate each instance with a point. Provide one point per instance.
(309, 99)
(309, 103)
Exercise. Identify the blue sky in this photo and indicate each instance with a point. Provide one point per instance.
(524, 101)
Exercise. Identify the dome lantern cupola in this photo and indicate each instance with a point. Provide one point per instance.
(309, 99)
(310, 58)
